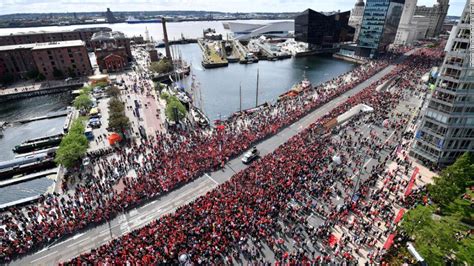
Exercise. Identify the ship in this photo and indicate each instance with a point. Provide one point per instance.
(27, 164)
(38, 143)
(133, 20)
(305, 84)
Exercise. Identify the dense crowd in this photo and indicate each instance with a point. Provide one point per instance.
(169, 160)
(253, 211)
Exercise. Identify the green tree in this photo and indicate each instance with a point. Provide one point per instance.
(113, 91)
(175, 110)
(73, 146)
(452, 181)
(82, 102)
(163, 66)
(118, 120)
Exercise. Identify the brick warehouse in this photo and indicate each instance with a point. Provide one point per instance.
(54, 60)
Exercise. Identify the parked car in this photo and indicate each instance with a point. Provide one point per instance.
(95, 123)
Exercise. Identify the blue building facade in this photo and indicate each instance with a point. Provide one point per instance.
(379, 26)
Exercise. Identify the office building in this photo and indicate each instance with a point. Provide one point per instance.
(447, 126)
(379, 26)
(83, 34)
(355, 20)
(321, 31)
(53, 60)
(411, 27)
(436, 14)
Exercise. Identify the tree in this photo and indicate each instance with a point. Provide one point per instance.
(82, 102)
(452, 181)
(163, 66)
(113, 91)
(175, 110)
(73, 146)
(118, 120)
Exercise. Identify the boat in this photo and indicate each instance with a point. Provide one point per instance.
(24, 165)
(38, 143)
(305, 84)
(200, 118)
(133, 20)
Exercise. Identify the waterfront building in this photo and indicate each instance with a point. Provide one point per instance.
(83, 34)
(412, 27)
(112, 50)
(436, 14)
(355, 20)
(57, 60)
(53, 60)
(15, 62)
(246, 31)
(447, 126)
(379, 26)
(405, 32)
(321, 31)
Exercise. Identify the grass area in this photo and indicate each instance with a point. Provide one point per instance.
(212, 55)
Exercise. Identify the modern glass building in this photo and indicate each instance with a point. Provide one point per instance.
(321, 31)
(379, 26)
(447, 127)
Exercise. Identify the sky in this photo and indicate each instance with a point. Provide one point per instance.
(51, 6)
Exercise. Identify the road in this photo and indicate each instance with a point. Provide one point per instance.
(137, 218)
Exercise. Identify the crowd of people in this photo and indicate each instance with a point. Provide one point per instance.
(255, 211)
(169, 160)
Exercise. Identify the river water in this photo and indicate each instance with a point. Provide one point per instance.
(219, 89)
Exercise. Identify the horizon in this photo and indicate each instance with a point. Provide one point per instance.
(13, 7)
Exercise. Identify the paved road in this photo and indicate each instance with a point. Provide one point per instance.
(137, 218)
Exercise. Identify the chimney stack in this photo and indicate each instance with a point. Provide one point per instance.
(165, 38)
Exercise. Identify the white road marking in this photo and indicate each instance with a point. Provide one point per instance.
(77, 243)
(212, 179)
(51, 253)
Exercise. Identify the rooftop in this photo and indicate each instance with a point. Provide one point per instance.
(108, 35)
(60, 31)
(40, 46)
(63, 44)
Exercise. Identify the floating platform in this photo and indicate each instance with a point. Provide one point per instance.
(26, 178)
(44, 117)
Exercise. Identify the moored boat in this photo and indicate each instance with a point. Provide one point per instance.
(38, 143)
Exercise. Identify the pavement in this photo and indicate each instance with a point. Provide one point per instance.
(137, 218)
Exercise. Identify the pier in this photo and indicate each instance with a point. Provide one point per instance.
(44, 117)
(15, 94)
(213, 54)
(29, 177)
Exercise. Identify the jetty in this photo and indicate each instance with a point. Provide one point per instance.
(29, 177)
(38, 90)
(213, 54)
(44, 117)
